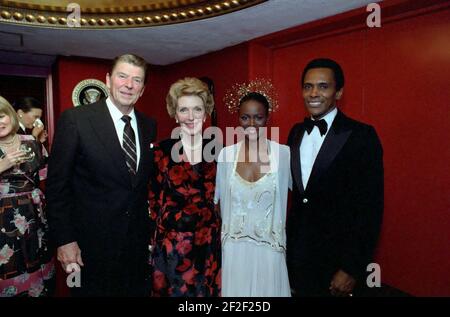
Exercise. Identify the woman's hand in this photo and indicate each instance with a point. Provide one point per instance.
(11, 159)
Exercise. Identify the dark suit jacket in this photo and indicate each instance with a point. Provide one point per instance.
(21, 131)
(334, 222)
(91, 197)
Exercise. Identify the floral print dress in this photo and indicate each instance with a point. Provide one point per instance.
(26, 266)
(186, 247)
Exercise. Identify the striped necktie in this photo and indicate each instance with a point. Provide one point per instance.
(129, 145)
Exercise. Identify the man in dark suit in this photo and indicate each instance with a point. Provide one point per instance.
(97, 187)
(337, 203)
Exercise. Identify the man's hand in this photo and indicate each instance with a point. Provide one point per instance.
(342, 284)
(69, 255)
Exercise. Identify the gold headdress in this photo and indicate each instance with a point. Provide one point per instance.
(264, 87)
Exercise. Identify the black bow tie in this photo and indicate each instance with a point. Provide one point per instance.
(321, 124)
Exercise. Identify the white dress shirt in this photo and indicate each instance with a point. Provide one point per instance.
(310, 146)
(119, 124)
(22, 126)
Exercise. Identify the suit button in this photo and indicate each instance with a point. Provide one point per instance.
(305, 200)
(127, 213)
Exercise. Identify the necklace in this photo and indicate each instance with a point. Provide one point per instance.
(192, 148)
(9, 143)
(187, 144)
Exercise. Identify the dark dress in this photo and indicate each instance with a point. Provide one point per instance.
(186, 246)
(26, 268)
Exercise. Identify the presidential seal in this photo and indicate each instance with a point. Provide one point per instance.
(88, 91)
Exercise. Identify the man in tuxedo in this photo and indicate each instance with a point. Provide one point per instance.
(337, 203)
(96, 192)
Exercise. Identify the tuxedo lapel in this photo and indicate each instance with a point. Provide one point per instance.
(103, 126)
(295, 158)
(333, 143)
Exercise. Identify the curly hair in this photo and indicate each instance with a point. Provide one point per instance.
(189, 86)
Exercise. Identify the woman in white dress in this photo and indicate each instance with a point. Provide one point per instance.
(252, 183)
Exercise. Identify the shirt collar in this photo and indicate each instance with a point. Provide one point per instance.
(329, 117)
(116, 114)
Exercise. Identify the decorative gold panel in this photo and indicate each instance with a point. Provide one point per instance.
(108, 14)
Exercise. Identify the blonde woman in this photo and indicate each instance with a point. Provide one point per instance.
(26, 268)
(186, 244)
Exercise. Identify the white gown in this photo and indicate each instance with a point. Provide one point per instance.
(253, 261)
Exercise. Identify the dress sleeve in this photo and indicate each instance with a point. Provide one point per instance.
(37, 149)
(155, 192)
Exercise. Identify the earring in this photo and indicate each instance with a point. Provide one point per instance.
(20, 116)
(176, 120)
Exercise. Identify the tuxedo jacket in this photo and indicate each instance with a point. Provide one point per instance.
(91, 197)
(334, 222)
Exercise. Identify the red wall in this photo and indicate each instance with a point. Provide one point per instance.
(409, 77)
(397, 80)
(69, 71)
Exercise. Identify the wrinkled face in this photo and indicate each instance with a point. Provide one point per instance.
(5, 125)
(190, 114)
(126, 85)
(252, 116)
(28, 118)
(319, 91)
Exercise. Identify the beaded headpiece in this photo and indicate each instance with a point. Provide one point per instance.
(264, 87)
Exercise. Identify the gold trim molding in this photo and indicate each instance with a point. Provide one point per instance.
(155, 13)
